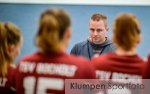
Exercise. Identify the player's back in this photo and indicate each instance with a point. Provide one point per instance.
(120, 69)
(114, 64)
(45, 74)
(6, 83)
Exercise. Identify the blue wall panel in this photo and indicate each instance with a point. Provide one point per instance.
(26, 16)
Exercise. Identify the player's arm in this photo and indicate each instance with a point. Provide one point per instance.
(74, 50)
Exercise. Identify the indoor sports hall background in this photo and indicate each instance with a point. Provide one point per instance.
(26, 16)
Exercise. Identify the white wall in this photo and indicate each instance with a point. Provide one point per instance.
(83, 2)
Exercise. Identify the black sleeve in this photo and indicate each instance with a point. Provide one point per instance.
(74, 50)
(113, 47)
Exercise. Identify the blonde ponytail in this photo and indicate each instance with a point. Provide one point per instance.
(9, 34)
(53, 24)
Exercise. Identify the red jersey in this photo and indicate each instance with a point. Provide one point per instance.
(147, 70)
(7, 83)
(115, 67)
(45, 74)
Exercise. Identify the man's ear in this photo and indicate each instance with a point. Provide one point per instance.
(107, 29)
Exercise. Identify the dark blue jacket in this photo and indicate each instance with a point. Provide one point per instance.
(89, 49)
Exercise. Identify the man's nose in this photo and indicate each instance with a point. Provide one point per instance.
(95, 33)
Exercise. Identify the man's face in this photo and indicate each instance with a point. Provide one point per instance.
(98, 31)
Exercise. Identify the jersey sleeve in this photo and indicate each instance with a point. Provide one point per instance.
(146, 73)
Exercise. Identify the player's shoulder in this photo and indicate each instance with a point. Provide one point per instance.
(80, 44)
(30, 56)
(102, 57)
(139, 59)
(11, 69)
(102, 60)
(83, 64)
(11, 66)
(78, 59)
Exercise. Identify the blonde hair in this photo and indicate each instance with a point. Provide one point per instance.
(126, 31)
(9, 34)
(53, 25)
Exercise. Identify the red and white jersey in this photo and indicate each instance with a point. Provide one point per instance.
(114, 64)
(45, 74)
(7, 83)
(120, 69)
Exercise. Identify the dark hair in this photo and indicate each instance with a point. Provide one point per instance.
(9, 34)
(53, 24)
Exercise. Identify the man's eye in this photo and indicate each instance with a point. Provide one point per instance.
(92, 29)
(99, 30)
